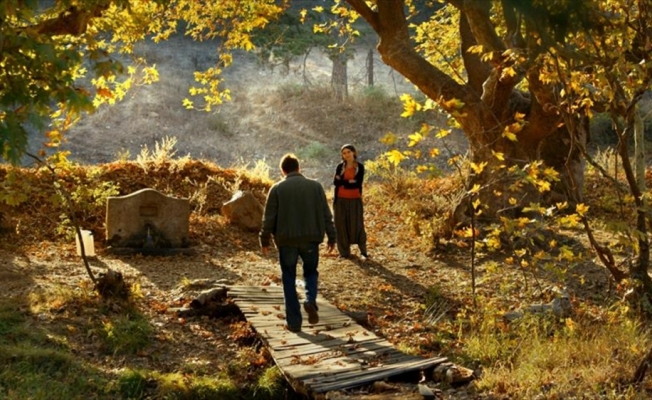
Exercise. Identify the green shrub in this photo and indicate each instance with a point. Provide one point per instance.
(290, 90)
(314, 151)
(132, 384)
(125, 334)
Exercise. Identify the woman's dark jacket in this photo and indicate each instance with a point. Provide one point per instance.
(359, 179)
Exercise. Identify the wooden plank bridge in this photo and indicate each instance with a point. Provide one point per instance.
(334, 354)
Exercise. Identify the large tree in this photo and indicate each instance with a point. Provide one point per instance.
(532, 73)
(501, 94)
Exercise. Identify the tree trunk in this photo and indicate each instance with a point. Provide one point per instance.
(639, 150)
(560, 151)
(639, 374)
(339, 78)
(370, 67)
(639, 269)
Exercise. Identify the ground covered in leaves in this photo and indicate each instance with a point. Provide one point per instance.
(38, 259)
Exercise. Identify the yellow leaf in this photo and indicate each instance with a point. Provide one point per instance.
(582, 209)
(104, 92)
(389, 139)
(443, 133)
(475, 189)
(567, 253)
(478, 168)
(55, 136)
(570, 325)
(453, 160)
(429, 105)
(453, 104)
(509, 72)
(551, 173)
(477, 49)
(498, 155)
(395, 157)
(543, 186)
(493, 242)
(510, 135)
(188, 104)
(410, 106)
(415, 139)
(570, 220)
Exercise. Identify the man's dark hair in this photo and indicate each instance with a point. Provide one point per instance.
(289, 163)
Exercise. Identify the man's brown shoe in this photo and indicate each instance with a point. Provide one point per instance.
(311, 309)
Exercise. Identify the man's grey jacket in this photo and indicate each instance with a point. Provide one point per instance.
(296, 212)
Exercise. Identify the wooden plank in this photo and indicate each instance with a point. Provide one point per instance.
(347, 350)
(307, 372)
(336, 353)
(343, 370)
(295, 340)
(330, 344)
(349, 379)
(324, 358)
(323, 327)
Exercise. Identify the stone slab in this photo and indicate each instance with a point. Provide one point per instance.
(129, 219)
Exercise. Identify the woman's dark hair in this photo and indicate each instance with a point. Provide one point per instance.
(350, 147)
(289, 163)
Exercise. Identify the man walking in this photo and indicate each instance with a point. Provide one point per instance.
(297, 214)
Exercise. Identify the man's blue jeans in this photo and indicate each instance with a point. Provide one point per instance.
(288, 258)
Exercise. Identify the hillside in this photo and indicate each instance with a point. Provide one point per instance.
(272, 111)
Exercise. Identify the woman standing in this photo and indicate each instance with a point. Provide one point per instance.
(348, 210)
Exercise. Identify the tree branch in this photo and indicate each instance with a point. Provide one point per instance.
(513, 23)
(477, 70)
(73, 21)
(68, 204)
(361, 7)
(477, 13)
(397, 51)
(645, 364)
(497, 87)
